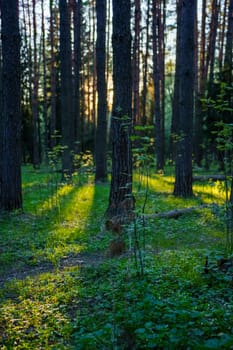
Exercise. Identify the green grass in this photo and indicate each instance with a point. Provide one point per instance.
(174, 305)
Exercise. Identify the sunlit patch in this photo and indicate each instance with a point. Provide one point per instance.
(55, 199)
(211, 192)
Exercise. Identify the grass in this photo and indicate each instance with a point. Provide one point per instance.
(46, 304)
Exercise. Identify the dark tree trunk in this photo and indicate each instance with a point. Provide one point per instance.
(66, 91)
(145, 67)
(183, 169)
(121, 183)
(53, 79)
(158, 75)
(35, 102)
(10, 122)
(45, 104)
(136, 62)
(211, 50)
(101, 131)
(77, 68)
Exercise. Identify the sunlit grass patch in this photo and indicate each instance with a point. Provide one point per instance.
(35, 314)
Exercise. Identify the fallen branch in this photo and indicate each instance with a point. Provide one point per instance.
(209, 178)
(174, 214)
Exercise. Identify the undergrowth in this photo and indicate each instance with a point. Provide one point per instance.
(174, 305)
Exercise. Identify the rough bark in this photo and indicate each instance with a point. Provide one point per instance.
(52, 78)
(35, 96)
(66, 91)
(183, 167)
(101, 131)
(145, 66)
(121, 182)
(10, 122)
(77, 68)
(158, 76)
(136, 62)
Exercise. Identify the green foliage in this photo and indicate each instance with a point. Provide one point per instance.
(106, 304)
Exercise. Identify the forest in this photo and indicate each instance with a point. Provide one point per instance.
(116, 174)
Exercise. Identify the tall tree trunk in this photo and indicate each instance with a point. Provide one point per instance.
(183, 168)
(145, 66)
(66, 92)
(222, 34)
(53, 79)
(10, 121)
(77, 68)
(35, 102)
(45, 105)
(158, 75)
(121, 182)
(136, 62)
(101, 131)
(211, 50)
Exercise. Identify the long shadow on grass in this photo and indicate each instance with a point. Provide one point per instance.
(64, 228)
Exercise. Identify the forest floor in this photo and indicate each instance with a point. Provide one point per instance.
(60, 290)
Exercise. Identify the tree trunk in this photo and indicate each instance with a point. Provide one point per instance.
(77, 68)
(66, 91)
(45, 104)
(158, 75)
(53, 79)
(183, 168)
(121, 182)
(145, 67)
(101, 131)
(136, 62)
(10, 122)
(35, 102)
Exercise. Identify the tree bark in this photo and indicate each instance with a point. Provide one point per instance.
(10, 121)
(183, 167)
(101, 131)
(66, 91)
(121, 182)
(77, 68)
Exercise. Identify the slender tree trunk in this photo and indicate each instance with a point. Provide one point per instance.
(45, 105)
(136, 62)
(10, 121)
(66, 92)
(158, 57)
(183, 168)
(222, 34)
(211, 50)
(121, 182)
(53, 79)
(101, 131)
(77, 68)
(145, 67)
(35, 103)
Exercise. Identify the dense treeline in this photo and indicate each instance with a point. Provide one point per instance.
(103, 76)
